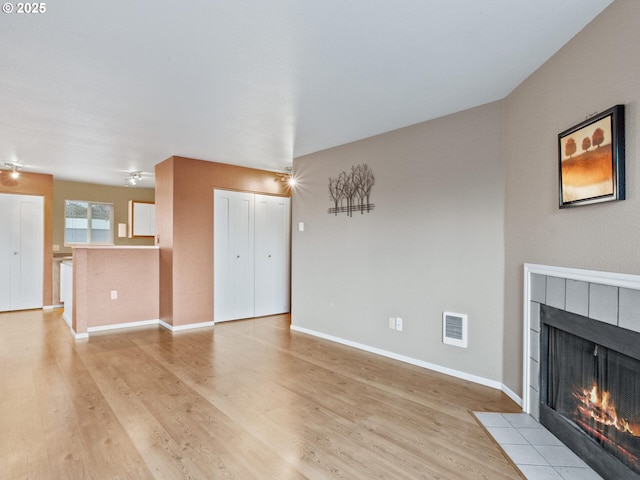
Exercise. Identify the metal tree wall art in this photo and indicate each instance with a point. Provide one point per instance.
(350, 192)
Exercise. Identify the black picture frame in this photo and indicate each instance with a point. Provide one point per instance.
(596, 174)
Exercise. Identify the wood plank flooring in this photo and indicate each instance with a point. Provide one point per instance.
(243, 400)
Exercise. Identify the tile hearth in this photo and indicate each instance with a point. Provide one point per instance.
(537, 453)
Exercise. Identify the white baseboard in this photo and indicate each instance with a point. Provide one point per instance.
(66, 318)
(78, 336)
(189, 326)
(140, 323)
(512, 395)
(117, 326)
(414, 361)
(165, 325)
(53, 307)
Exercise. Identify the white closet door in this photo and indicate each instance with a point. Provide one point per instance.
(233, 256)
(6, 255)
(272, 290)
(21, 251)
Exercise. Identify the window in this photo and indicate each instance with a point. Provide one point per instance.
(88, 222)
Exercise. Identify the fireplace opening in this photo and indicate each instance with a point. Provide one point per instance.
(590, 394)
(598, 390)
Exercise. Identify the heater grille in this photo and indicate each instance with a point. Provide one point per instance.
(454, 329)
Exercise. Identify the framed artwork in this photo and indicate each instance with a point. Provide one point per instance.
(591, 160)
(351, 192)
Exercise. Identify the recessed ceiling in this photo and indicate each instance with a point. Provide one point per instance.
(91, 90)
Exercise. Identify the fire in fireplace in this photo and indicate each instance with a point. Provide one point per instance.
(591, 390)
(599, 410)
(597, 416)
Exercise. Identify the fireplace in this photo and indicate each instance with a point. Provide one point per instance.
(590, 390)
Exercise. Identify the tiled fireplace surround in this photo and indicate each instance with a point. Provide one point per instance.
(604, 296)
(607, 297)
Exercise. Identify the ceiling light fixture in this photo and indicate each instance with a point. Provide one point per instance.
(15, 168)
(133, 179)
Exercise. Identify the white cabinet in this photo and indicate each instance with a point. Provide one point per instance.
(251, 255)
(142, 219)
(21, 251)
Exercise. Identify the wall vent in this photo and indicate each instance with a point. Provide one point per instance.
(454, 329)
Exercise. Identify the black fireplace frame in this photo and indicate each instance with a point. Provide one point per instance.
(601, 333)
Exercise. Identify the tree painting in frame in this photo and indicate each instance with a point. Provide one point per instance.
(591, 158)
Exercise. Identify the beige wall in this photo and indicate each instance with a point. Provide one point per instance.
(461, 198)
(598, 68)
(119, 196)
(434, 242)
(184, 218)
(40, 185)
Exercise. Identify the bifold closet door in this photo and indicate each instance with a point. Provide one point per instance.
(272, 227)
(233, 255)
(21, 251)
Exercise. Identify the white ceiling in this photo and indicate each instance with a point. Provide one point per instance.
(91, 90)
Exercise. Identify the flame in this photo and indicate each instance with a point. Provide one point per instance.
(601, 409)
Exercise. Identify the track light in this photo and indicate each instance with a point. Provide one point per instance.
(15, 168)
(133, 179)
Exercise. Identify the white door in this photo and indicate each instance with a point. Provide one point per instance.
(272, 222)
(233, 255)
(21, 251)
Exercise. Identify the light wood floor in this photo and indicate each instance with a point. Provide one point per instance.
(247, 400)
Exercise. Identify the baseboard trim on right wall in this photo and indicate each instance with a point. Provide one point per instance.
(414, 361)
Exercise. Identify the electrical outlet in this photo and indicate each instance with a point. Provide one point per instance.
(114, 294)
(399, 324)
(392, 323)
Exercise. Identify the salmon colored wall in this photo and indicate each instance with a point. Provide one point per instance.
(184, 187)
(164, 232)
(41, 185)
(132, 271)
